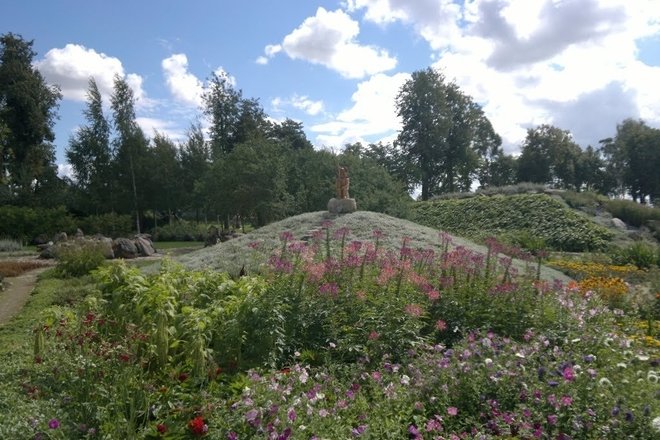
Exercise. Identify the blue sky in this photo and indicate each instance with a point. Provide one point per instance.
(336, 66)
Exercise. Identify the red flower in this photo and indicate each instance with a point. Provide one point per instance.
(197, 426)
(182, 377)
(161, 428)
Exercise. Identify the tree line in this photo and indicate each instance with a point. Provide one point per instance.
(245, 164)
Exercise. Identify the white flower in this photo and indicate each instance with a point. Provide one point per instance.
(405, 380)
(652, 376)
(604, 382)
(621, 365)
(642, 357)
(303, 376)
(488, 362)
(656, 424)
(520, 355)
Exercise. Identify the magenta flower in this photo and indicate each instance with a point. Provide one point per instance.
(452, 411)
(552, 419)
(568, 373)
(440, 325)
(566, 400)
(54, 424)
(414, 310)
(329, 288)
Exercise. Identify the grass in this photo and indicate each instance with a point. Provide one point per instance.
(166, 245)
(12, 268)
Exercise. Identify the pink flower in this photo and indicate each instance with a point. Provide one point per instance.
(452, 411)
(566, 400)
(568, 373)
(414, 310)
(440, 325)
(433, 295)
(373, 336)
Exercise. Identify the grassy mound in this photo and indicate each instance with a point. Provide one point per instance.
(232, 255)
(538, 215)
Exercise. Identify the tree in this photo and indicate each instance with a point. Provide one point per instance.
(166, 177)
(222, 107)
(633, 156)
(443, 132)
(195, 157)
(290, 133)
(130, 145)
(28, 109)
(549, 156)
(90, 156)
(251, 122)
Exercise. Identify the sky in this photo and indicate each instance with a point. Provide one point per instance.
(337, 66)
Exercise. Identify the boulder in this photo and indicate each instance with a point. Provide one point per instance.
(619, 224)
(105, 245)
(79, 233)
(341, 206)
(144, 246)
(60, 237)
(124, 248)
(41, 239)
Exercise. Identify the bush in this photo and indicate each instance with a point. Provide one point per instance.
(10, 245)
(633, 213)
(79, 260)
(111, 225)
(26, 223)
(181, 231)
(639, 254)
(538, 215)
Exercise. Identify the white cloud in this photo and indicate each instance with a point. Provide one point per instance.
(169, 128)
(573, 63)
(303, 103)
(329, 39)
(64, 170)
(184, 86)
(71, 67)
(373, 113)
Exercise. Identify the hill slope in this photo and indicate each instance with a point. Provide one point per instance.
(232, 255)
(539, 215)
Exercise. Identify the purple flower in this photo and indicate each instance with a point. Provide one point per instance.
(452, 411)
(414, 432)
(568, 373)
(292, 415)
(359, 430)
(552, 419)
(232, 436)
(329, 288)
(54, 424)
(286, 236)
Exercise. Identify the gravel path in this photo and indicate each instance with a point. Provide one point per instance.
(17, 292)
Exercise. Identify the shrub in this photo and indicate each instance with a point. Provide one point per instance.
(539, 215)
(26, 223)
(640, 254)
(181, 231)
(79, 259)
(633, 213)
(10, 245)
(111, 225)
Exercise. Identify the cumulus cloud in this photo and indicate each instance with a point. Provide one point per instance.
(329, 39)
(168, 128)
(183, 85)
(71, 67)
(373, 113)
(303, 103)
(572, 63)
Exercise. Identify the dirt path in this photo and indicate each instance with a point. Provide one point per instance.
(17, 292)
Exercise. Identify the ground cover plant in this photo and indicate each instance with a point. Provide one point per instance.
(539, 215)
(339, 338)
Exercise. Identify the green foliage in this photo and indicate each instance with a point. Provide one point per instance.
(181, 230)
(538, 214)
(78, 259)
(632, 213)
(10, 245)
(111, 224)
(640, 254)
(26, 223)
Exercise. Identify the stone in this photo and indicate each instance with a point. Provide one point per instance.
(144, 246)
(60, 237)
(342, 206)
(619, 224)
(105, 246)
(124, 248)
(41, 239)
(79, 233)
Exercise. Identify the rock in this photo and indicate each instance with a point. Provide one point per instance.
(619, 224)
(48, 253)
(342, 206)
(144, 246)
(124, 248)
(60, 237)
(41, 239)
(105, 246)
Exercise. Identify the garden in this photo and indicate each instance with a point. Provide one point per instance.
(337, 337)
